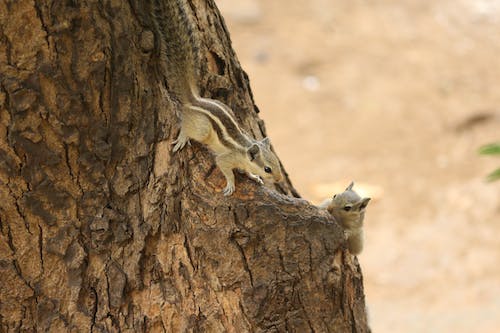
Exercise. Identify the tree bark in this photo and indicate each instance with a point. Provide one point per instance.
(103, 229)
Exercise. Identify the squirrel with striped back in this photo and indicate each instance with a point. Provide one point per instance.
(206, 120)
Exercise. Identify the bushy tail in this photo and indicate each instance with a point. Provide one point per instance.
(179, 47)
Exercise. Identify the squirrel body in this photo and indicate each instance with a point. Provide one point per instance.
(206, 120)
(348, 208)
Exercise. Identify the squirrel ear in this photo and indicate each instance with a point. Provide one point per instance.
(364, 202)
(253, 151)
(349, 188)
(266, 142)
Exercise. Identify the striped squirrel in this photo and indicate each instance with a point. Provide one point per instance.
(206, 120)
(348, 208)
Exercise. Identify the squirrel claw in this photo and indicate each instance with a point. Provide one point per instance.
(179, 143)
(256, 178)
(228, 190)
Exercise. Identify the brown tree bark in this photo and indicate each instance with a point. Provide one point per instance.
(103, 229)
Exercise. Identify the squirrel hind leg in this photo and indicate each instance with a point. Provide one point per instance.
(194, 126)
(180, 142)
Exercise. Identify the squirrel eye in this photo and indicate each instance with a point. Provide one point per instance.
(334, 196)
(268, 169)
(347, 208)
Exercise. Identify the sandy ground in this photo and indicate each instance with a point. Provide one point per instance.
(398, 96)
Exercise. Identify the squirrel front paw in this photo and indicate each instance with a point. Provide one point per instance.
(256, 178)
(228, 190)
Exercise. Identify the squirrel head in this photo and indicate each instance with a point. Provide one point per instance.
(264, 161)
(348, 208)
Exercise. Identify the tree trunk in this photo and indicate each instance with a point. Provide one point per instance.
(102, 228)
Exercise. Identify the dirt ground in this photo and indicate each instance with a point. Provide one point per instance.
(398, 96)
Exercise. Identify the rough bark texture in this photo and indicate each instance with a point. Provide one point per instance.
(102, 229)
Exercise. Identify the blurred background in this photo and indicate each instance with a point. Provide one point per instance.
(397, 96)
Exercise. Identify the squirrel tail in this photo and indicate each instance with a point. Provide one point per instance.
(179, 47)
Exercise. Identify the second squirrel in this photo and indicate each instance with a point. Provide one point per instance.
(348, 208)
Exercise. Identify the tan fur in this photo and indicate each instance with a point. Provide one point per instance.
(206, 120)
(348, 208)
(229, 153)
